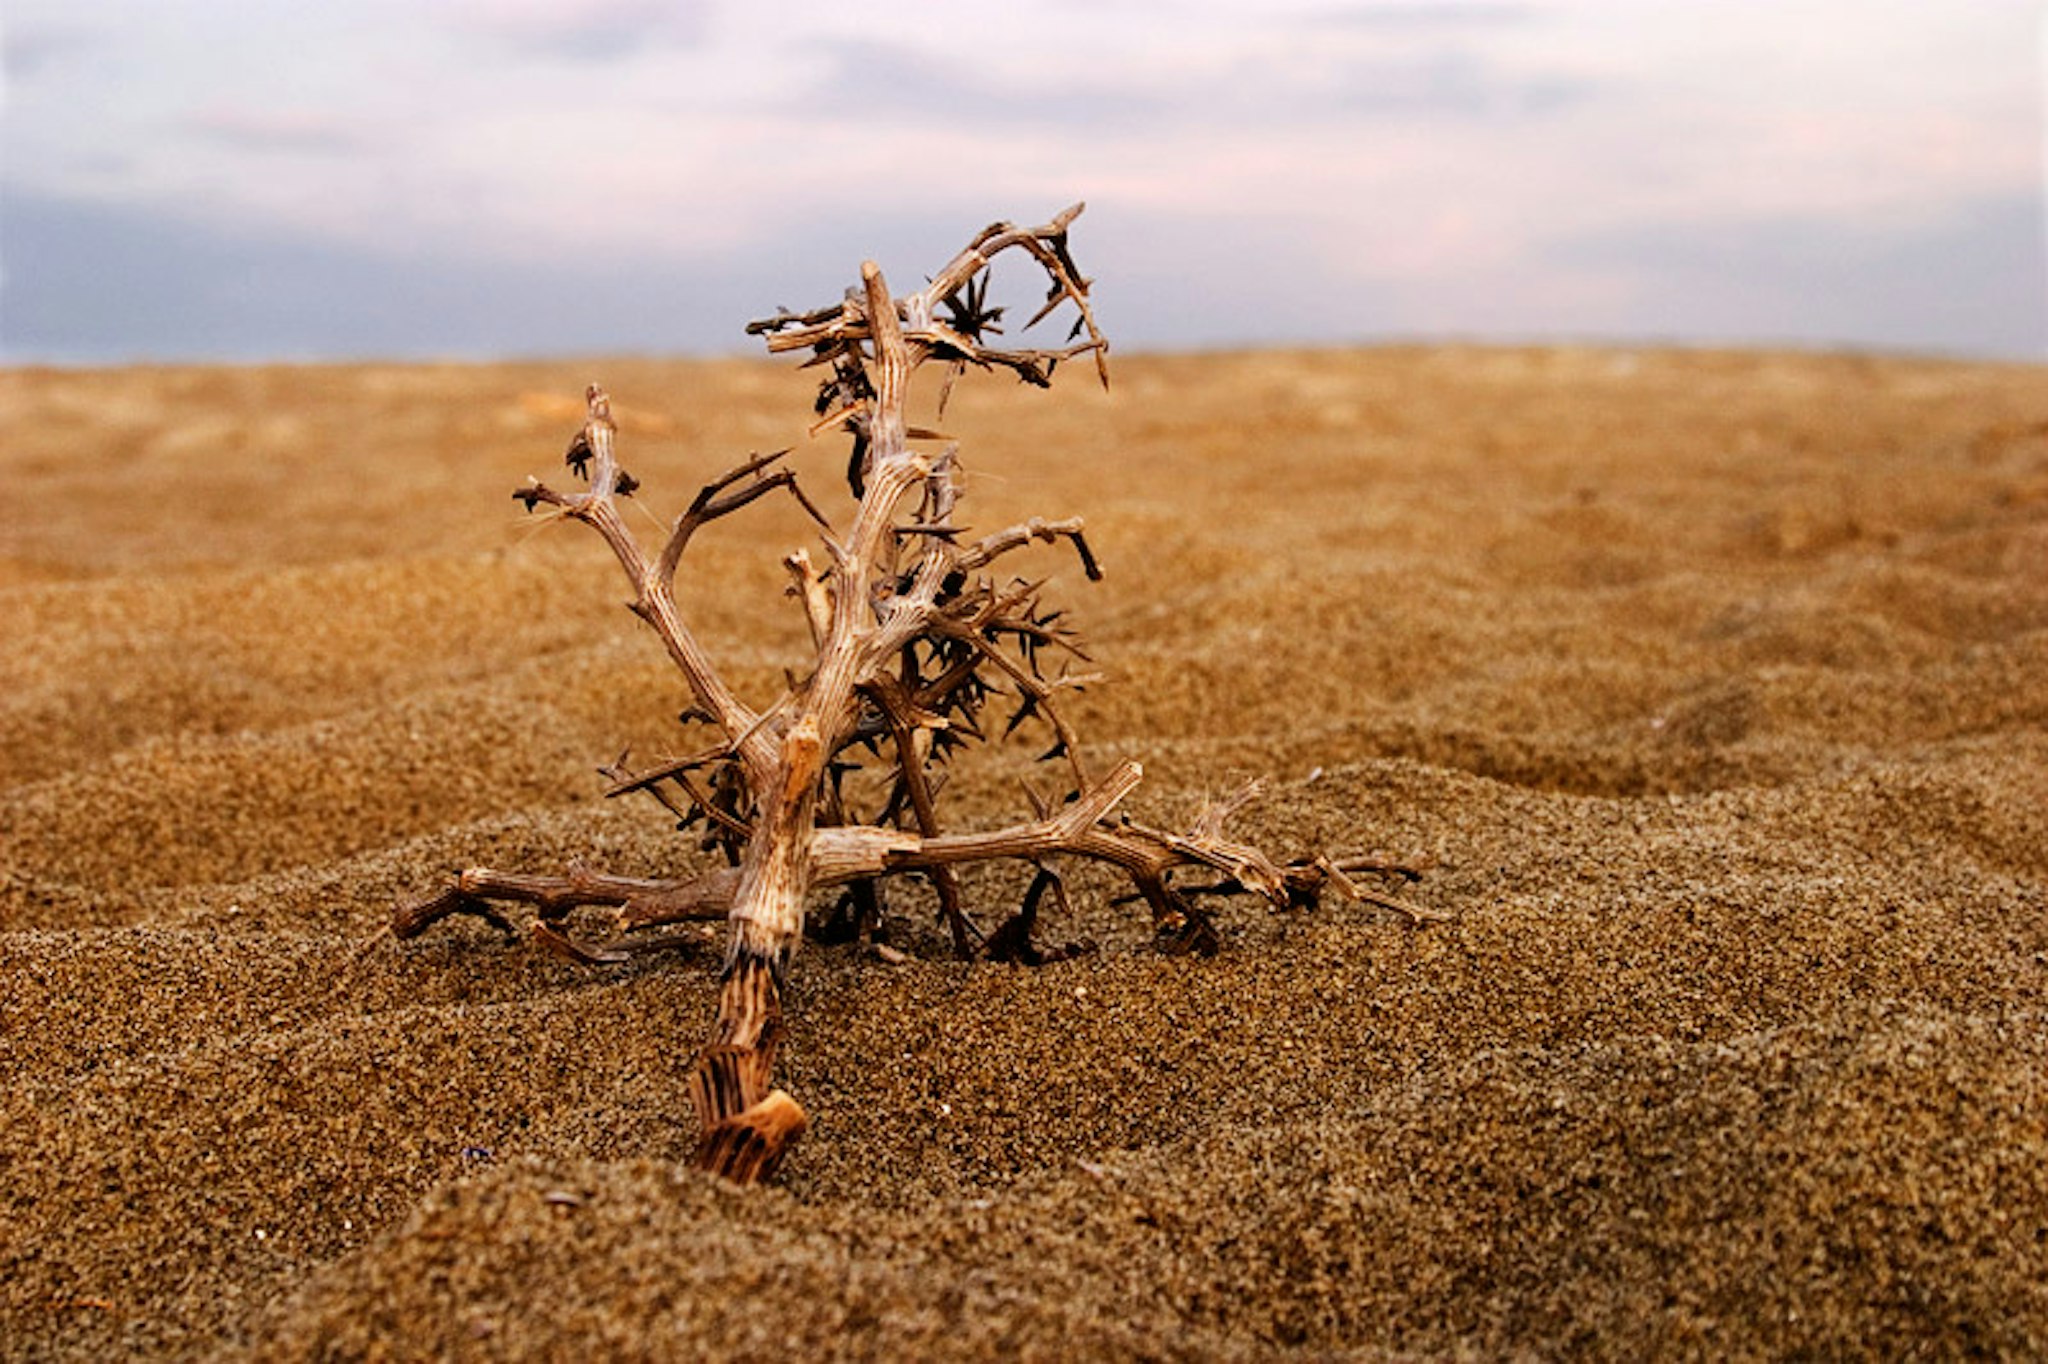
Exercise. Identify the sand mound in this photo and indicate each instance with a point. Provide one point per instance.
(1710, 687)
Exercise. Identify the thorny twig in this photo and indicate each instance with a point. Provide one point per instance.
(914, 643)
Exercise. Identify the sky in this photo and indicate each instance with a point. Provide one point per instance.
(264, 179)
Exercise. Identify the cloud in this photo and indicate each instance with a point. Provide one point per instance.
(29, 51)
(108, 283)
(292, 132)
(1452, 83)
(1970, 280)
(1416, 167)
(1217, 84)
(104, 283)
(100, 283)
(586, 31)
(1448, 14)
(952, 88)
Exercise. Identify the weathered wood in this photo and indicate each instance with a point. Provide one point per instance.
(913, 643)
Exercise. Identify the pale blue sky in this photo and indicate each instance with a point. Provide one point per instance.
(256, 179)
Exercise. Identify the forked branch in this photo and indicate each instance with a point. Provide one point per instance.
(914, 644)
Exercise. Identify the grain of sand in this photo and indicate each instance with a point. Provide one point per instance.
(1711, 687)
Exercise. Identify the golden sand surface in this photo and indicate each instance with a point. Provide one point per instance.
(1710, 687)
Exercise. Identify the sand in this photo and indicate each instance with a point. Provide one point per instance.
(1711, 688)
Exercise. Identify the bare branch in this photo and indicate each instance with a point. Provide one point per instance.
(912, 638)
(987, 550)
(714, 501)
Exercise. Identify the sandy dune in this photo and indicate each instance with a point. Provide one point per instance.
(1712, 688)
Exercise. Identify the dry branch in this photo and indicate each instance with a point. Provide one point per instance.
(914, 642)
